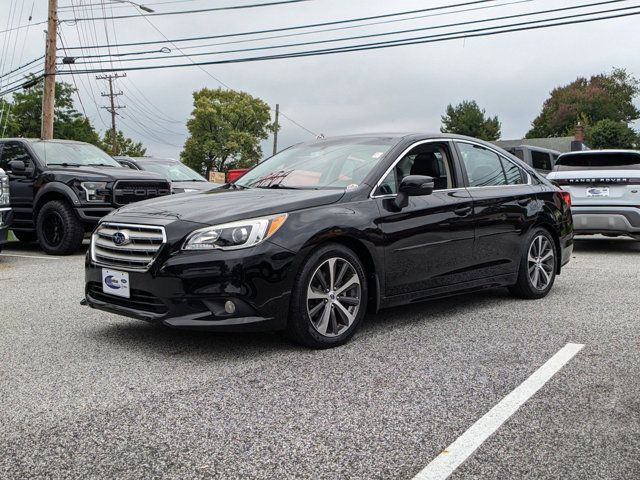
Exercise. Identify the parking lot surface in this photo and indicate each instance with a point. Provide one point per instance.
(86, 394)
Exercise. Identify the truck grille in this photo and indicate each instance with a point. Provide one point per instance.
(133, 247)
(126, 191)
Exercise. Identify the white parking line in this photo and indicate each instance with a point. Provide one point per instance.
(455, 454)
(28, 256)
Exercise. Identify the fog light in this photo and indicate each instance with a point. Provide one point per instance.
(229, 307)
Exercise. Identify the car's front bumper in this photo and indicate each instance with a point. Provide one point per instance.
(606, 219)
(190, 289)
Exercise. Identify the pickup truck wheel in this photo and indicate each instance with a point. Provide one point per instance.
(59, 230)
(25, 237)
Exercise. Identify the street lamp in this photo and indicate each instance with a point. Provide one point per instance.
(139, 5)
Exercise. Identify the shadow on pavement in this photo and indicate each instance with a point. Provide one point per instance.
(601, 244)
(34, 249)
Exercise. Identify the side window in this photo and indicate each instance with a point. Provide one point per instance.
(541, 160)
(515, 176)
(431, 160)
(484, 168)
(11, 152)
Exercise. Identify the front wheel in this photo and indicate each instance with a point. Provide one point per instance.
(329, 298)
(537, 271)
(60, 232)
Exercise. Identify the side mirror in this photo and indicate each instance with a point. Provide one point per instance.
(18, 167)
(413, 186)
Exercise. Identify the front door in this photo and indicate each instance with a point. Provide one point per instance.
(429, 243)
(21, 186)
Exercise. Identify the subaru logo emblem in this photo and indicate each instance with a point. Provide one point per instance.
(121, 238)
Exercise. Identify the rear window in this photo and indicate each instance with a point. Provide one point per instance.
(599, 161)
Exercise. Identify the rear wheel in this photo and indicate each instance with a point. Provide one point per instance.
(329, 298)
(26, 237)
(60, 232)
(537, 271)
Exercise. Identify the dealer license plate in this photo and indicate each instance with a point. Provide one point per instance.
(115, 282)
(598, 192)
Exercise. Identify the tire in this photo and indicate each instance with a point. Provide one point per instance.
(26, 237)
(322, 315)
(60, 232)
(537, 271)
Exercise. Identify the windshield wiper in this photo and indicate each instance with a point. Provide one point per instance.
(101, 165)
(277, 185)
(65, 164)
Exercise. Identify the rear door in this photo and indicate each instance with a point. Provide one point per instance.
(505, 205)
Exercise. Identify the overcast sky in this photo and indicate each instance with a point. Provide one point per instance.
(395, 89)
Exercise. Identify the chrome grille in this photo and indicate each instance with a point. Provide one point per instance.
(142, 247)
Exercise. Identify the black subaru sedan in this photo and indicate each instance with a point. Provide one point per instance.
(313, 238)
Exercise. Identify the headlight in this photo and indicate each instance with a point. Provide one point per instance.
(4, 191)
(232, 236)
(96, 191)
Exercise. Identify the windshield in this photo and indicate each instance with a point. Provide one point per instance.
(74, 154)
(325, 164)
(174, 171)
(599, 161)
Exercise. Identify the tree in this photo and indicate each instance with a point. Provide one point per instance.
(605, 96)
(126, 146)
(225, 130)
(608, 133)
(467, 118)
(24, 116)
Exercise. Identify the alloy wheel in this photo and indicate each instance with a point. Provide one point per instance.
(541, 262)
(333, 297)
(53, 229)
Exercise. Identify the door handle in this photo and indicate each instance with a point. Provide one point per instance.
(462, 211)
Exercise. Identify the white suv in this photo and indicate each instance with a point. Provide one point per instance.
(605, 190)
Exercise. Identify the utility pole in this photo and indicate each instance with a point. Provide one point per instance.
(113, 108)
(275, 130)
(49, 94)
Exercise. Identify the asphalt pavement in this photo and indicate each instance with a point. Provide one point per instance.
(85, 394)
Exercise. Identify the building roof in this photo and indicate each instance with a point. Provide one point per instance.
(560, 144)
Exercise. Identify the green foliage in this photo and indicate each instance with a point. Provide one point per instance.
(609, 133)
(225, 130)
(126, 146)
(467, 118)
(605, 96)
(26, 111)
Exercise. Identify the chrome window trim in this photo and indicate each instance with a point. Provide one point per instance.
(125, 225)
(501, 155)
(400, 157)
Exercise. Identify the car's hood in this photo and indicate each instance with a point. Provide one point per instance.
(180, 187)
(224, 205)
(105, 173)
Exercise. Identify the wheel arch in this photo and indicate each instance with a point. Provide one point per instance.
(52, 192)
(366, 257)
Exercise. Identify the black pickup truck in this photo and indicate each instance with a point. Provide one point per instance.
(59, 189)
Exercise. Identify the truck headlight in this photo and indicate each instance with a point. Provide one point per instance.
(95, 191)
(235, 235)
(4, 191)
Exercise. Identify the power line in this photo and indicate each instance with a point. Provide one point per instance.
(297, 27)
(379, 45)
(183, 12)
(398, 32)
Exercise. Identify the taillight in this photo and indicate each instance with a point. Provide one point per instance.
(566, 197)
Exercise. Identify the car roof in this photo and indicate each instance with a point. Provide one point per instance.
(39, 140)
(604, 152)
